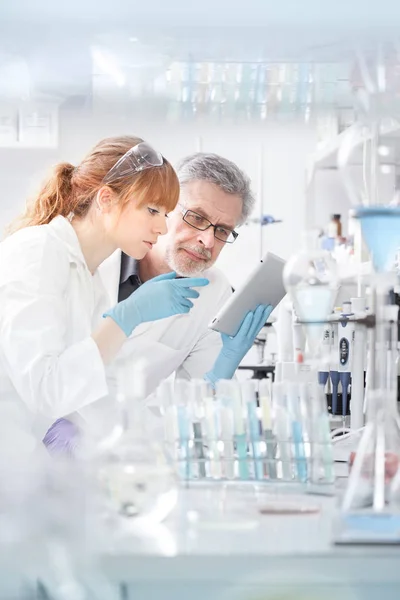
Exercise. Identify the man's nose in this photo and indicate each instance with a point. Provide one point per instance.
(207, 238)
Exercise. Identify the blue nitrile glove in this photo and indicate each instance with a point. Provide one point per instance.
(62, 438)
(235, 348)
(158, 298)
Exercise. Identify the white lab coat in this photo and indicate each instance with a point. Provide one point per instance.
(50, 366)
(182, 344)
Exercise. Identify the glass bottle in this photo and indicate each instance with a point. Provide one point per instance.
(335, 227)
(131, 466)
(311, 280)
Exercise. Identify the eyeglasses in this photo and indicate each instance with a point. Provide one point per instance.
(223, 234)
(140, 157)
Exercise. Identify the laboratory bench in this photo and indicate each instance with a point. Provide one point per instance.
(217, 544)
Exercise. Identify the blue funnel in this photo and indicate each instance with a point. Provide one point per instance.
(380, 226)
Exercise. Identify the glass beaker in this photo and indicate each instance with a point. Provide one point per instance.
(133, 472)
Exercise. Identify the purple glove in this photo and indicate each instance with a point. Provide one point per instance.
(62, 438)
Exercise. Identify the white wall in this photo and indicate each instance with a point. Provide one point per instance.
(285, 149)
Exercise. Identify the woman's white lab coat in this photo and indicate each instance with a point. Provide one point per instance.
(50, 303)
(50, 367)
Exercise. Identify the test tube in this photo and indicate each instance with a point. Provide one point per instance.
(198, 391)
(166, 401)
(183, 419)
(224, 396)
(265, 400)
(250, 401)
(321, 442)
(281, 428)
(297, 430)
(239, 430)
(210, 410)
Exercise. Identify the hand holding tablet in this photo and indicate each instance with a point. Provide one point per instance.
(264, 287)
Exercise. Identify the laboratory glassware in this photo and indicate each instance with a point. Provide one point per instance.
(311, 280)
(134, 476)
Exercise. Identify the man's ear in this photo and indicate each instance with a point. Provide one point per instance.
(105, 199)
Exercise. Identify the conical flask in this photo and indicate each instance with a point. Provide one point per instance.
(134, 475)
(311, 280)
(375, 466)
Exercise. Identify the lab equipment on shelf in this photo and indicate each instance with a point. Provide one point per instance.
(249, 431)
(345, 353)
(371, 498)
(370, 509)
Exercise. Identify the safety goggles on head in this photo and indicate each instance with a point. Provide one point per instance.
(140, 157)
(221, 233)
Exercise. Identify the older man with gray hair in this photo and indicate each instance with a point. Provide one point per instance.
(220, 193)
(215, 198)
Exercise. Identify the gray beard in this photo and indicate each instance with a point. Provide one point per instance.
(187, 268)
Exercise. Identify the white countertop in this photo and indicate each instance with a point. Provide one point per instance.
(217, 533)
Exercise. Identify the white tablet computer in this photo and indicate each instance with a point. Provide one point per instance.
(263, 286)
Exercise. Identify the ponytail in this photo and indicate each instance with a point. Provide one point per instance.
(55, 198)
(73, 189)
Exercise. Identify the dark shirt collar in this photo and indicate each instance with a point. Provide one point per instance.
(129, 267)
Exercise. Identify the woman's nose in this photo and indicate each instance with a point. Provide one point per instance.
(162, 225)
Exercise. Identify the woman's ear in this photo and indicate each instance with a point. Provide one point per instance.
(105, 199)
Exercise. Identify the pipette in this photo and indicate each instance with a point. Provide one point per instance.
(345, 350)
(323, 374)
(334, 367)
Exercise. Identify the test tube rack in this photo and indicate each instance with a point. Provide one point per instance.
(227, 438)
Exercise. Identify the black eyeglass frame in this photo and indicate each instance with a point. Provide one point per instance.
(185, 211)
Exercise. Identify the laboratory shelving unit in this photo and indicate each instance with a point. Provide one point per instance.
(326, 159)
